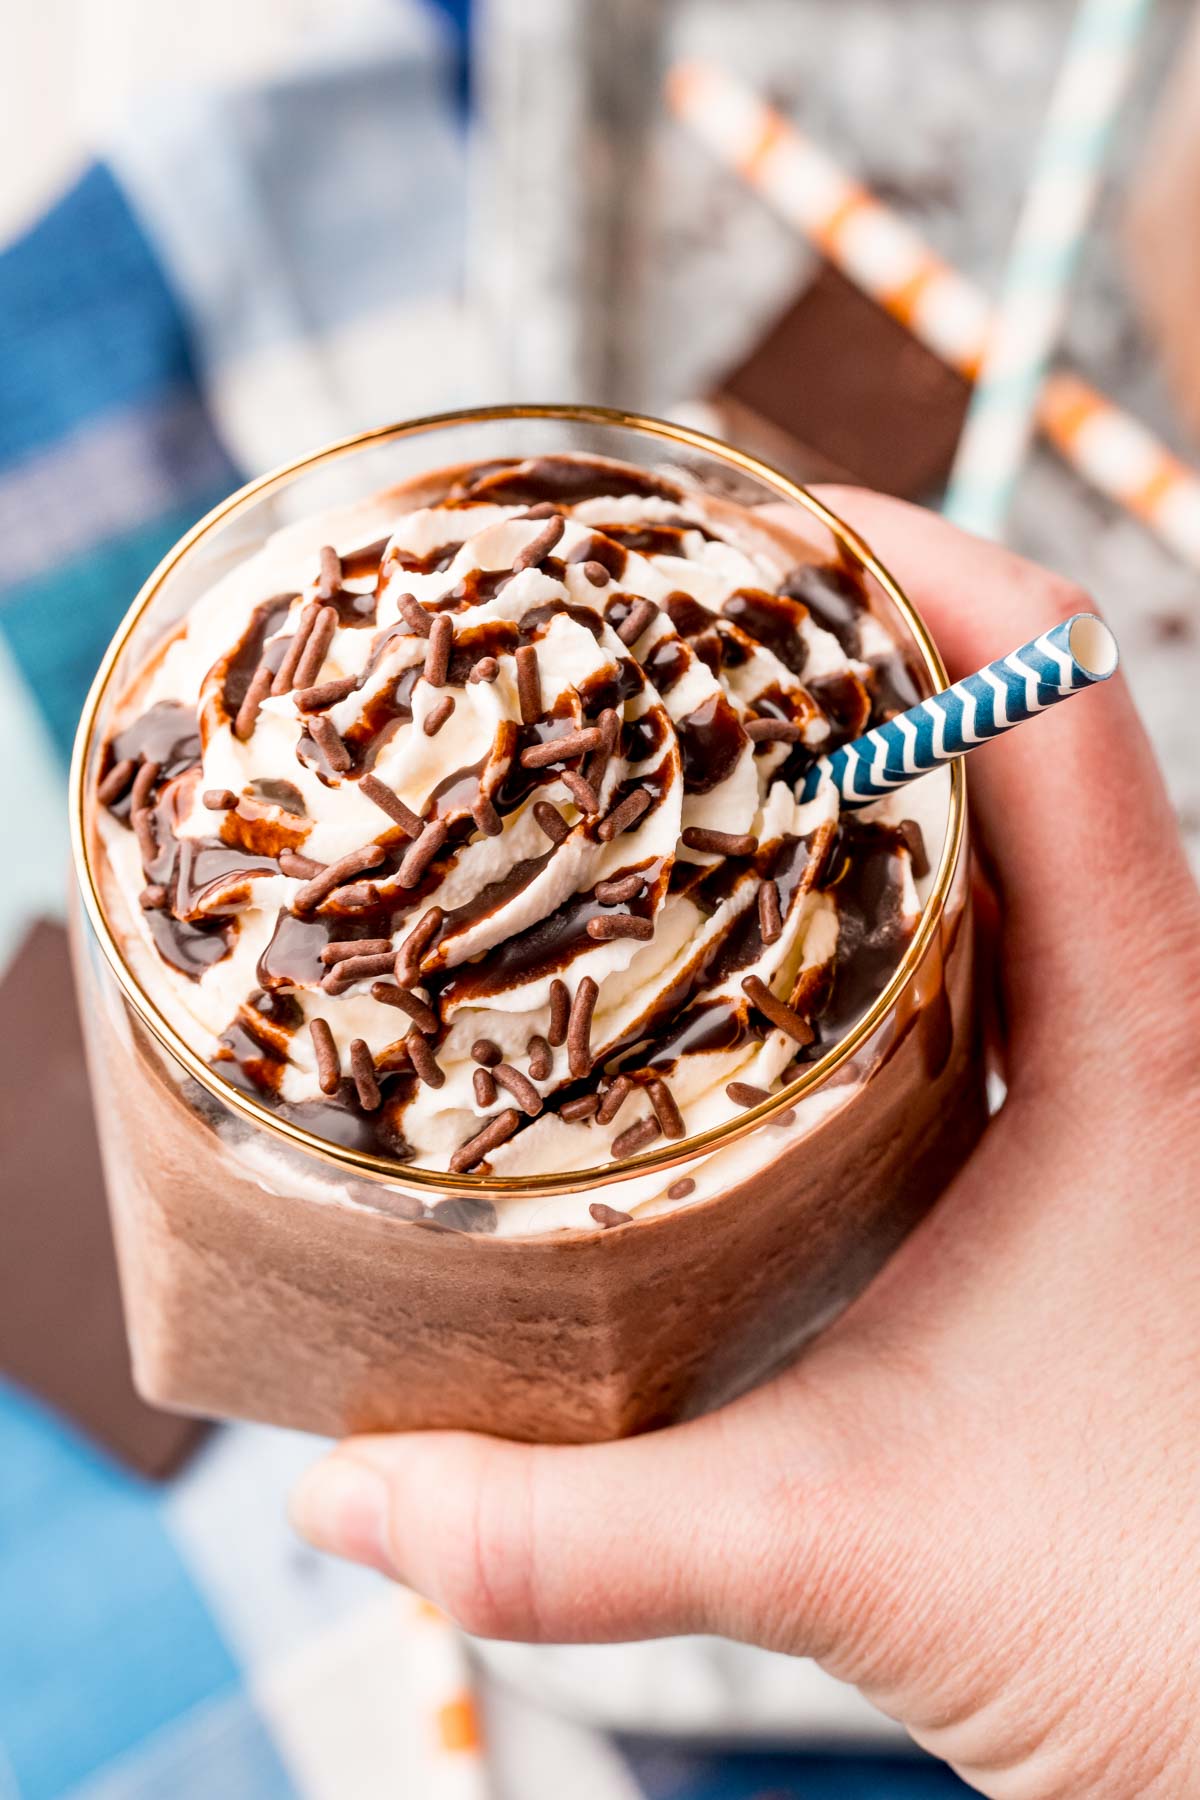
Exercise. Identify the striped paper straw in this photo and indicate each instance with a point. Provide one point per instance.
(1073, 656)
(1033, 299)
(874, 248)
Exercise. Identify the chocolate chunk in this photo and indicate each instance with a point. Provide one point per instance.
(62, 1334)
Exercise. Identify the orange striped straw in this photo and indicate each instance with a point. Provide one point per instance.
(887, 259)
(453, 1739)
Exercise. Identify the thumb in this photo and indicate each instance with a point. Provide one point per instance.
(674, 1532)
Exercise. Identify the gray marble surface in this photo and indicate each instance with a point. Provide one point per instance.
(665, 267)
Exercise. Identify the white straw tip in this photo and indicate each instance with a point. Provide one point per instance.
(1093, 646)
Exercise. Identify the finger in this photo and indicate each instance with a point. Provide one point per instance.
(1072, 807)
(638, 1538)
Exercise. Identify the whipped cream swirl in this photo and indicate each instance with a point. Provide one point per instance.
(481, 848)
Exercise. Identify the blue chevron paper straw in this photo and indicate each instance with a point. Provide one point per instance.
(1073, 656)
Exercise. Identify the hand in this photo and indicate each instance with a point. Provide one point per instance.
(978, 1495)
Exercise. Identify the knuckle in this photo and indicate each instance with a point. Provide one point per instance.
(482, 1554)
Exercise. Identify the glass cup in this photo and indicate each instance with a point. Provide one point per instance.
(270, 1274)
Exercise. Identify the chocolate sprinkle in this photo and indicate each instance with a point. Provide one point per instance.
(608, 1216)
(484, 1051)
(486, 817)
(486, 669)
(312, 699)
(560, 1011)
(324, 735)
(770, 919)
(329, 1070)
(317, 647)
(562, 749)
(582, 792)
(679, 1190)
(256, 693)
(539, 546)
(437, 654)
(541, 1060)
(497, 1131)
(359, 895)
(316, 890)
(627, 813)
(519, 1086)
(349, 947)
(779, 1013)
(551, 821)
(422, 1016)
(665, 1109)
(408, 957)
(485, 1087)
(382, 796)
(143, 786)
(635, 1137)
(609, 727)
(330, 578)
(424, 1062)
(143, 830)
(612, 1102)
(299, 868)
(596, 573)
(285, 674)
(624, 887)
(219, 799)
(115, 783)
(744, 1093)
(636, 620)
(720, 843)
(153, 897)
(356, 968)
(529, 685)
(582, 1108)
(619, 925)
(418, 856)
(414, 615)
(362, 1068)
(579, 1027)
(436, 717)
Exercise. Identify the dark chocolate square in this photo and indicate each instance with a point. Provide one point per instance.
(856, 390)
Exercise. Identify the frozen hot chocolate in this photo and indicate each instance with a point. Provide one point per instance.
(446, 850)
(479, 846)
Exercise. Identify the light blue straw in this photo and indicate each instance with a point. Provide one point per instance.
(1050, 233)
(1073, 656)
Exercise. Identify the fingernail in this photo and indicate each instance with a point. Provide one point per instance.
(340, 1505)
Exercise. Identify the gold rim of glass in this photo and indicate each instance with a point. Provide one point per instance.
(675, 1152)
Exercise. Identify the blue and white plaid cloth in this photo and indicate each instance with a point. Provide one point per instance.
(244, 275)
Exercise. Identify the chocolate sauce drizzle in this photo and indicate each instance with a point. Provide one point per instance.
(865, 866)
